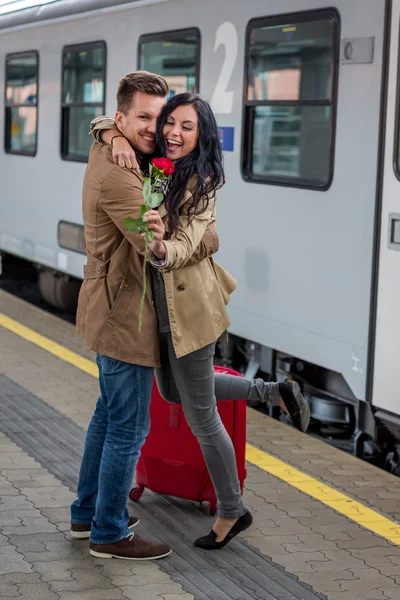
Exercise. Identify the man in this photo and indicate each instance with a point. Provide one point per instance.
(107, 319)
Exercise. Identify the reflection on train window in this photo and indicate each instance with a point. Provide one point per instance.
(21, 102)
(83, 97)
(175, 55)
(291, 72)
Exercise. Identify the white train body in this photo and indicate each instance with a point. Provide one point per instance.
(309, 219)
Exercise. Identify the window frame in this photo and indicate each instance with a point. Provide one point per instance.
(9, 107)
(66, 106)
(248, 115)
(174, 34)
(396, 145)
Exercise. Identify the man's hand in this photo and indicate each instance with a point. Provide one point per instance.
(123, 154)
(156, 224)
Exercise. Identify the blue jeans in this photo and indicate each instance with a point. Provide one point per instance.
(115, 436)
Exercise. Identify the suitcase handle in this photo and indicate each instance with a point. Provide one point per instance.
(175, 416)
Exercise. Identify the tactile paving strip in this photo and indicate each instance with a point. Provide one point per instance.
(239, 572)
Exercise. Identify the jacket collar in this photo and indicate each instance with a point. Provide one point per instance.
(162, 210)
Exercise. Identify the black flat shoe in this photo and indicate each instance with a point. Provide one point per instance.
(209, 542)
(297, 406)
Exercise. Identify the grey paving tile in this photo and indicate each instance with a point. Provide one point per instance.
(64, 527)
(50, 554)
(7, 549)
(169, 596)
(153, 591)
(17, 578)
(362, 540)
(95, 594)
(9, 491)
(56, 515)
(202, 586)
(36, 591)
(8, 590)
(310, 542)
(16, 503)
(13, 562)
(361, 595)
(141, 577)
(28, 526)
(390, 593)
(365, 579)
(235, 585)
(84, 578)
(34, 542)
(57, 570)
(13, 460)
(49, 497)
(16, 477)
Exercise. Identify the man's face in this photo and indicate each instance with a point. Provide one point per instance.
(139, 124)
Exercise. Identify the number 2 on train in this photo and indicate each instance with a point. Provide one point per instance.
(222, 99)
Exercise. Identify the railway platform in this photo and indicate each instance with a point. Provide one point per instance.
(325, 523)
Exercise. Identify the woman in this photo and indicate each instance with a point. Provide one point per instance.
(190, 302)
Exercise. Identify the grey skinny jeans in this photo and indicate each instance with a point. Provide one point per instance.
(191, 381)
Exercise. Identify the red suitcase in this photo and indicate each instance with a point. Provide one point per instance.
(171, 461)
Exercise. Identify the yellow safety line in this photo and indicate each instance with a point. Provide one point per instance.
(364, 516)
(353, 510)
(43, 342)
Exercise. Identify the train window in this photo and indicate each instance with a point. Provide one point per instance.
(175, 55)
(83, 97)
(71, 236)
(21, 103)
(290, 98)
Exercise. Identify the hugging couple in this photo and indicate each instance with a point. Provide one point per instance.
(183, 312)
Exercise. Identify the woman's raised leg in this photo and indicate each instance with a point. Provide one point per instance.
(194, 378)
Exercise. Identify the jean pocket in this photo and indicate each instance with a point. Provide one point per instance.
(106, 363)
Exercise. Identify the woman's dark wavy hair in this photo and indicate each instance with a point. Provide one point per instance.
(205, 162)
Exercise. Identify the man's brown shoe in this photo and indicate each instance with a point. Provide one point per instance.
(82, 532)
(130, 548)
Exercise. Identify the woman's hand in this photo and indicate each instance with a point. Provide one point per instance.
(123, 154)
(156, 224)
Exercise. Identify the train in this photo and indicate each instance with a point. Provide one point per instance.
(306, 97)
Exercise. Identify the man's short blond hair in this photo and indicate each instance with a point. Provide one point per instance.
(139, 81)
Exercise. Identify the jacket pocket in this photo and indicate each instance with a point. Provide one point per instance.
(227, 283)
(122, 302)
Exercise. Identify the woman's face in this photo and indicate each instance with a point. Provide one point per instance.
(181, 131)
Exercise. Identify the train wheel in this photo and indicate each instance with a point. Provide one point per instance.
(59, 290)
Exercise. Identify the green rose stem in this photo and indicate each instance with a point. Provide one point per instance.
(144, 282)
(152, 200)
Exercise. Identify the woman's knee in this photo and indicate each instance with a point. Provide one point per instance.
(204, 422)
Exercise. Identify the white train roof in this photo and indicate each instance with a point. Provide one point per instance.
(60, 9)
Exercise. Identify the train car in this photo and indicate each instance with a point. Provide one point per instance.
(305, 93)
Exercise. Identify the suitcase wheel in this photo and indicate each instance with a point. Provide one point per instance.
(136, 493)
(211, 510)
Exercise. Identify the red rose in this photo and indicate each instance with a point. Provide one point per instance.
(165, 165)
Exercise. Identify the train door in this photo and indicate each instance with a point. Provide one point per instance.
(386, 357)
